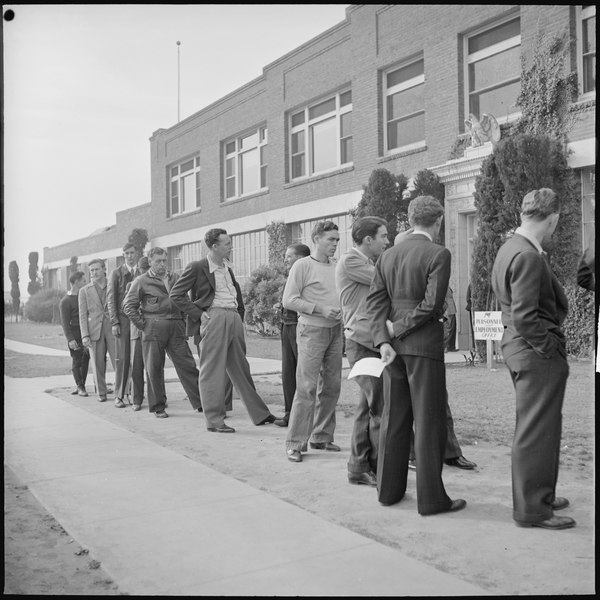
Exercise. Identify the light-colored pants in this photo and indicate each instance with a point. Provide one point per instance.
(100, 347)
(222, 353)
(313, 408)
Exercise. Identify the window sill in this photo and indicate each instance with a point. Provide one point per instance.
(244, 198)
(184, 214)
(313, 178)
(584, 102)
(402, 153)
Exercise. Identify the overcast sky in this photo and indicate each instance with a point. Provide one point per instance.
(85, 86)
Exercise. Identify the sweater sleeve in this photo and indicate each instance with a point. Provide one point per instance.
(292, 292)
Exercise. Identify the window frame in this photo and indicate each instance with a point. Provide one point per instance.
(306, 127)
(262, 137)
(515, 41)
(395, 89)
(582, 15)
(178, 179)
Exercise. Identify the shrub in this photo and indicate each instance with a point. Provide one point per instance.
(263, 289)
(42, 307)
(579, 324)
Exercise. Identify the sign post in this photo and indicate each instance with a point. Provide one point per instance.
(487, 325)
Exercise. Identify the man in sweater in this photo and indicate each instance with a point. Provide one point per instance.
(310, 291)
(69, 315)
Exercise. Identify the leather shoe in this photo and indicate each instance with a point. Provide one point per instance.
(294, 455)
(455, 505)
(119, 403)
(280, 422)
(223, 429)
(325, 446)
(461, 462)
(101, 398)
(136, 407)
(161, 414)
(559, 503)
(553, 522)
(269, 419)
(412, 465)
(363, 478)
(81, 391)
(75, 392)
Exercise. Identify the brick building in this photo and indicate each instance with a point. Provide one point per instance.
(388, 87)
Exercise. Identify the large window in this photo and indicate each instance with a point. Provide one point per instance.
(178, 257)
(245, 164)
(404, 106)
(321, 136)
(588, 201)
(494, 70)
(184, 187)
(250, 250)
(586, 43)
(301, 232)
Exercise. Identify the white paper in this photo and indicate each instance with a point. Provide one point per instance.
(367, 366)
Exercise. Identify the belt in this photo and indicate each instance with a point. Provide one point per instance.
(163, 318)
(223, 308)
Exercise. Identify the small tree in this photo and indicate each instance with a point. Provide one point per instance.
(263, 289)
(139, 238)
(277, 231)
(426, 183)
(34, 284)
(382, 197)
(42, 307)
(15, 292)
(73, 264)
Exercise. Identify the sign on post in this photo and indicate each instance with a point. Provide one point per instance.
(488, 326)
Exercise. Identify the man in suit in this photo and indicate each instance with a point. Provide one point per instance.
(215, 317)
(148, 306)
(534, 307)
(118, 280)
(289, 347)
(405, 306)
(94, 320)
(353, 275)
(69, 316)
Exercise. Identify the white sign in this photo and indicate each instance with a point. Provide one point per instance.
(488, 325)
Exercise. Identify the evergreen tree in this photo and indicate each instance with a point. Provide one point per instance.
(139, 238)
(426, 183)
(34, 284)
(15, 292)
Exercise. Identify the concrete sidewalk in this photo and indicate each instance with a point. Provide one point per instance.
(163, 524)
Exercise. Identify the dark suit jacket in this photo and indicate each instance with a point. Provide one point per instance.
(116, 290)
(532, 300)
(409, 289)
(200, 283)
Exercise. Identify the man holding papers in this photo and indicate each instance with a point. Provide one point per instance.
(353, 275)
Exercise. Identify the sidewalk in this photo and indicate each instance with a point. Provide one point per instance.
(163, 524)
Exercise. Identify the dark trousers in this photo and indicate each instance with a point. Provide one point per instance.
(367, 416)
(289, 362)
(122, 358)
(167, 336)
(80, 360)
(450, 334)
(453, 449)
(540, 389)
(414, 387)
(136, 370)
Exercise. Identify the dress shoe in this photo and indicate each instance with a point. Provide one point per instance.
(461, 462)
(553, 522)
(200, 409)
(280, 422)
(101, 398)
(294, 455)
(455, 505)
(223, 429)
(559, 503)
(412, 465)
(161, 414)
(136, 407)
(81, 391)
(269, 419)
(119, 403)
(75, 392)
(325, 446)
(363, 478)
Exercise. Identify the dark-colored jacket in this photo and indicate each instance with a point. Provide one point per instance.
(148, 298)
(409, 289)
(69, 317)
(116, 290)
(200, 283)
(532, 300)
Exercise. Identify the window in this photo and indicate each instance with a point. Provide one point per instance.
(245, 164)
(249, 251)
(178, 257)
(494, 70)
(184, 187)
(321, 136)
(586, 44)
(404, 106)
(588, 200)
(301, 232)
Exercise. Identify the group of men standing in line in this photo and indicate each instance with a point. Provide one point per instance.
(389, 305)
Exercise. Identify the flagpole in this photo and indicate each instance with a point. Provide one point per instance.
(178, 81)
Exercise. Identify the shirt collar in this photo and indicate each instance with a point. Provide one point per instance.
(427, 235)
(212, 266)
(153, 274)
(362, 254)
(531, 238)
